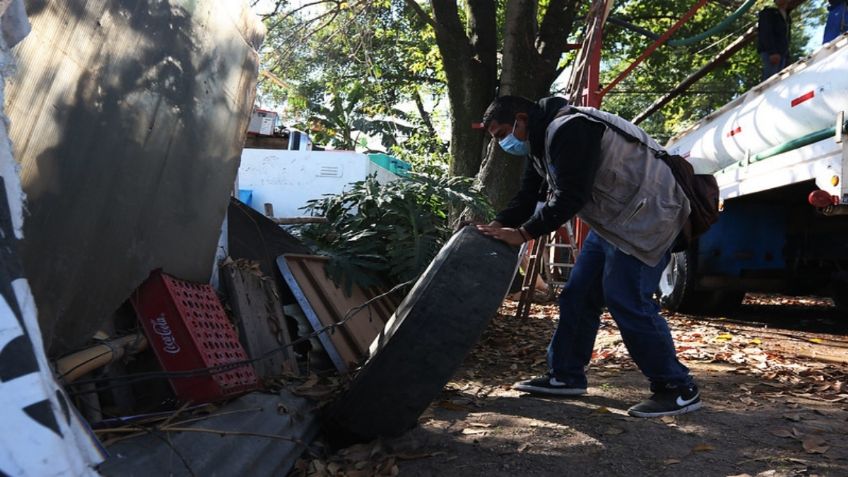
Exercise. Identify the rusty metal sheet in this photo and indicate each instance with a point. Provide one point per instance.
(324, 304)
(261, 435)
(128, 119)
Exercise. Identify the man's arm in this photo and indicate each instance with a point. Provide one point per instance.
(575, 153)
(524, 203)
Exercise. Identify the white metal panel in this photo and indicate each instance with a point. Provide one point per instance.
(288, 179)
(819, 161)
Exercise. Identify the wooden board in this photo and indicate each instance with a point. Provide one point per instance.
(260, 320)
(325, 304)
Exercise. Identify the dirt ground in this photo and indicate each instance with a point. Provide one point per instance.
(772, 377)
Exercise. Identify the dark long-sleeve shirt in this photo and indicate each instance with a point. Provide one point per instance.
(773, 32)
(575, 155)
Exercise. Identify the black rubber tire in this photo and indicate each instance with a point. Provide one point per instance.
(677, 291)
(720, 302)
(839, 291)
(426, 340)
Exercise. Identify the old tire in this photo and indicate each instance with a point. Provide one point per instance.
(426, 339)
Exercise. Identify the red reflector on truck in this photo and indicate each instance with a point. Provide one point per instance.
(803, 97)
(821, 199)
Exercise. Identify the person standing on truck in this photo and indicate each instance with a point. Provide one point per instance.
(837, 19)
(773, 27)
(584, 167)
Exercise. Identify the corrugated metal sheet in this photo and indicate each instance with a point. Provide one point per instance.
(325, 304)
(128, 120)
(268, 422)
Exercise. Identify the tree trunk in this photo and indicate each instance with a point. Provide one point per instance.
(531, 53)
(470, 65)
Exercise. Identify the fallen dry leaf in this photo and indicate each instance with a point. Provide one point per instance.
(452, 406)
(815, 445)
(359, 473)
(782, 432)
(703, 448)
(671, 461)
(470, 431)
(480, 424)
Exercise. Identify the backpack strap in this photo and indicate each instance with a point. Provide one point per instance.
(630, 137)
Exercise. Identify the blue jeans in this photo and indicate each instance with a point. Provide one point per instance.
(769, 69)
(604, 275)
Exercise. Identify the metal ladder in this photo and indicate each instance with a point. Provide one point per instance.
(542, 258)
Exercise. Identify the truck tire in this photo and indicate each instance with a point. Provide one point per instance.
(839, 291)
(426, 340)
(676, 288)
(677, 291)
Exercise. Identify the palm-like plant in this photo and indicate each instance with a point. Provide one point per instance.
(384, 234)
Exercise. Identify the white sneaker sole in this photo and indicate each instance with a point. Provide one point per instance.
(683, 410)
(549, 391)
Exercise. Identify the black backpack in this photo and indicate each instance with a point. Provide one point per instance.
(701, 189)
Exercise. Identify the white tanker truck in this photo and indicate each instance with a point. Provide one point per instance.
(780, 155)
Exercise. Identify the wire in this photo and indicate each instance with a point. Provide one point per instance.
(207, 371)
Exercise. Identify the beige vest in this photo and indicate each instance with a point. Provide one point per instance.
(636, 203)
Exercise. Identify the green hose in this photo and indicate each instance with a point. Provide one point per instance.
(798, 142)
(721, 26)
(790, 145)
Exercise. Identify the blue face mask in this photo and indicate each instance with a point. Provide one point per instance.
(513, 145)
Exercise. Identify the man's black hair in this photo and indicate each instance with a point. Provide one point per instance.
(504, 109)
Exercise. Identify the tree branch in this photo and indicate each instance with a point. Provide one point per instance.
(556, 25)
(425, 115)
(483, 24)
(421, 13)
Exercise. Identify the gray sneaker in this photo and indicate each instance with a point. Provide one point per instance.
(669, 401)
(548, 384)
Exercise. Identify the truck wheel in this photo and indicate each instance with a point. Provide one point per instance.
(676, 288)
(839, 291)
(721, 302)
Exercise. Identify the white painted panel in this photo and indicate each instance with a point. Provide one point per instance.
(288, 179)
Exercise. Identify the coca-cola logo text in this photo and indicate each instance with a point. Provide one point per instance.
(161, 328)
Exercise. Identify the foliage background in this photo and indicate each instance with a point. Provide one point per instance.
(669, 65)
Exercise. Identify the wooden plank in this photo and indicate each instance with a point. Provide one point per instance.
(261, 323)
(325, 304)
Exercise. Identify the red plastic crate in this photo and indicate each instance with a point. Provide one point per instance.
(188, 330)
